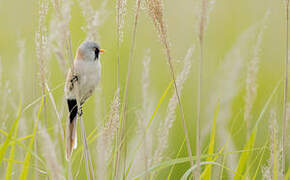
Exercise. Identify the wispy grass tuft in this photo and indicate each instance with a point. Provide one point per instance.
(252, 72)
(121, 10)
(42, 53)
(49, 152)
(107, 138)
(155, 10)
(59, 33)
(164, 128)
(94, 19)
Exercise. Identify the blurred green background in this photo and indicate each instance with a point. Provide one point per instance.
(227, 21)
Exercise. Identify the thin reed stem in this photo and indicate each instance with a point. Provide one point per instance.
(57, 113)
(125, 100)
(199, 113)
(121, 10)
(180, 108)
(284, 123)
(199, 95)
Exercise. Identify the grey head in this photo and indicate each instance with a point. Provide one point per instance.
(89, 51)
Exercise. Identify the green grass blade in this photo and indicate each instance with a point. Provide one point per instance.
(207, 172)
(179, 151)
(287, 176)
(26, 164)
(3, 132)
(190, 170)
(246, 154)
(158, 105)
(9, 136)
(12, 151)
(260, 162)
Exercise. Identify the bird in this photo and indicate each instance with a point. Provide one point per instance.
(81, 81)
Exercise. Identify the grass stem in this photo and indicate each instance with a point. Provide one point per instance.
(284, 123)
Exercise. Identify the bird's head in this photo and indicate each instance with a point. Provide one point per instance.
(89, 51)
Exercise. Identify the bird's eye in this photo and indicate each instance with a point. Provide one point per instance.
(97, 52)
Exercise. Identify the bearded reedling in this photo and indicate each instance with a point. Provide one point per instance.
(80, 85)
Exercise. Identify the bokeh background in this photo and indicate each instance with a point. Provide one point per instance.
(233, 30)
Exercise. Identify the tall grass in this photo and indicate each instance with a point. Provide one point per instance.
(155, 9)
(235, 101)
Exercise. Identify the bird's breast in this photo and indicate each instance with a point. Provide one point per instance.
(89, 73)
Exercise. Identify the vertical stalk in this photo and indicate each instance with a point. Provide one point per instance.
(199, 95)
(284, 123)
(125, 100)
(199, 113)
(118, 94)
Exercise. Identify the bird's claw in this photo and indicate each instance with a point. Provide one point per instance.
(80, 112)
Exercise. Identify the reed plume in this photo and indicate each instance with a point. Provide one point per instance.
(106, 140)
(121, 12)
(59, 32)
(273, 170)
(252, 72)
(164, 128)
(42, 53)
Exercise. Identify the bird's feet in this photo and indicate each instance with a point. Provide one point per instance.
(80, 112)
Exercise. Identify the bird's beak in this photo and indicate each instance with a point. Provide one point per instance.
(102, 50)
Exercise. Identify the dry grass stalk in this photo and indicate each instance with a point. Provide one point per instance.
(284, 123)
(272, 170)
(94, 19)
(138, 4)
(42, 53)
(275, 149)
(121, 12)
(106, 141)
(112, 125)
(143, 117)
(204, 16)
(57, 113)
(155, 9)
(163, 133)
(42, 56)
(48, 150)
(251, 79)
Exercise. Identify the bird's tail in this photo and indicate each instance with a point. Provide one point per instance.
(71, 140)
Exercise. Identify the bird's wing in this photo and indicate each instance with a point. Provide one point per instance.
(70, 82)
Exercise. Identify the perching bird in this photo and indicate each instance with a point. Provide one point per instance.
(84, 80)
